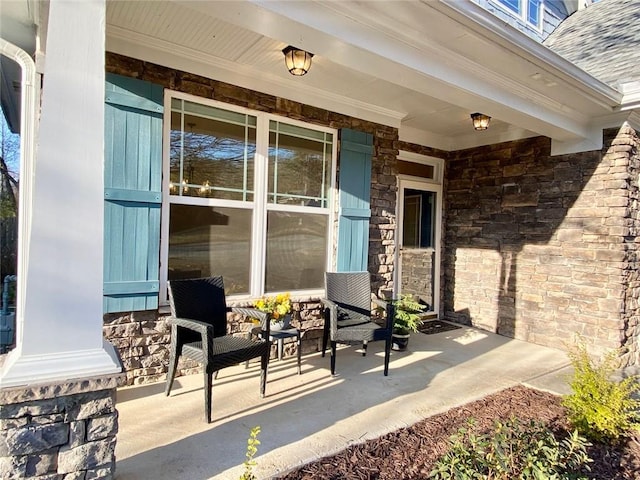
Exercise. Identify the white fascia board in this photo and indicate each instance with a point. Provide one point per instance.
(161, 52)
(634, 120)
(631, 95)
(527, 47)
(379, 50)
(461, 142)
(422, 137)
(594, 142)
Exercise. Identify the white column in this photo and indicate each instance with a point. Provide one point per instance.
(59, 331)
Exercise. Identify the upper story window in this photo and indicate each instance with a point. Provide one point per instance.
(528, 10)
(247, 197)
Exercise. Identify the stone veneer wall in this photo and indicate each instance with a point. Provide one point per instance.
(540, 248)
(417, 273)
(142, 338)
(63, 431)
(625, 152)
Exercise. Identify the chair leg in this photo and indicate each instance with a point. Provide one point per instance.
(208, 386)
(299, 353)
(264, 363)
(387, 354)
(333, 357)
(171, 372)
(325, 336)
(246, 364)
(364, 349)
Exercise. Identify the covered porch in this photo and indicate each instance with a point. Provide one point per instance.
(536, 191)
(309, 416)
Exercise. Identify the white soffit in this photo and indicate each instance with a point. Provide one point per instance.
(159, 51)
(403, 48)
(406, 65)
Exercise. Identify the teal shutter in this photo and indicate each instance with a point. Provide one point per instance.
(356, 150)
(133, 198)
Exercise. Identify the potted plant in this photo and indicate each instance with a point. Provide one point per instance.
(278, 307)
(406, 320)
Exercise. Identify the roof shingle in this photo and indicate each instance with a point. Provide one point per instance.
(603, 40)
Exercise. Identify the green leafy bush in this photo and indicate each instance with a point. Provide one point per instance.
(407, 314)
(252, 449)
(601, 408)
(513, 451)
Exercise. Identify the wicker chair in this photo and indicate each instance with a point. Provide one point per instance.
(347, 308)
(199, 332)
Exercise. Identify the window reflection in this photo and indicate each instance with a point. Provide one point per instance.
(206, 241)
(213, 208)
(296, 251)
(211, 157)
(299, 161)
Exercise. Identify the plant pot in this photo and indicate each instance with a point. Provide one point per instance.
(281, 324)
(400, 342)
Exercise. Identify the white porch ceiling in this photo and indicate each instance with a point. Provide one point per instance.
(420, 65)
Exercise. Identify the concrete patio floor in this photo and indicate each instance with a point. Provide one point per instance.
(305, 417)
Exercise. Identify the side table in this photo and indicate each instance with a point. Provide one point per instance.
(279, 336)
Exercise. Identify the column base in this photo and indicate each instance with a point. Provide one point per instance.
(60, 429)
(21, 369)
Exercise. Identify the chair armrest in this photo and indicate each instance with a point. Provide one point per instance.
(331, 307)
(380, 303)
(204, 329)
(328, 303)
(388, 307)
(196, 325)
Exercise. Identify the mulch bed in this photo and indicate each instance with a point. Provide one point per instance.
(410, 453)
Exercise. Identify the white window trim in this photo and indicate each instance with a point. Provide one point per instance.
(523, 14)
(435, 162)
(259, 205)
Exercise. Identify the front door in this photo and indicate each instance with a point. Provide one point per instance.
(418, 253)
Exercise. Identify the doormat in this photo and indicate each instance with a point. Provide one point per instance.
(436, 326)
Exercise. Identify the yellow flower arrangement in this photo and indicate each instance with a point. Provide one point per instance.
(278, 305)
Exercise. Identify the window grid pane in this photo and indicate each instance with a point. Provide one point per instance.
(211, 161)
(212, 154)
(513, 5)
(533, 12)
(299, 165)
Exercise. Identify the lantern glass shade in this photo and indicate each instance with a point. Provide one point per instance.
(298, 61)
(480, 121)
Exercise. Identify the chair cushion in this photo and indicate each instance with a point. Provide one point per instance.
(227, 351)
(364, 332)
(348, 317)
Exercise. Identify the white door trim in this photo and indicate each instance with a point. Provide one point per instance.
(429, 185)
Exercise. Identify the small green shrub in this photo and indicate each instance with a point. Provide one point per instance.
(513, 451)
(602, 409)
(252, 449)
(407, 315)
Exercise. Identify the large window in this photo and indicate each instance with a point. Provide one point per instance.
(529, 10)
(247, 198)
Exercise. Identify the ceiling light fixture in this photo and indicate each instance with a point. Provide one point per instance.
(480, 121)
(298, 61)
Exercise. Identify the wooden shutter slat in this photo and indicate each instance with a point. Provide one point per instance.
(356, 151)
(133, 173)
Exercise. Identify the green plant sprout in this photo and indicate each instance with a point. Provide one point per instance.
(252, 449)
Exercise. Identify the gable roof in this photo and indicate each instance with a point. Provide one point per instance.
(603, 40)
